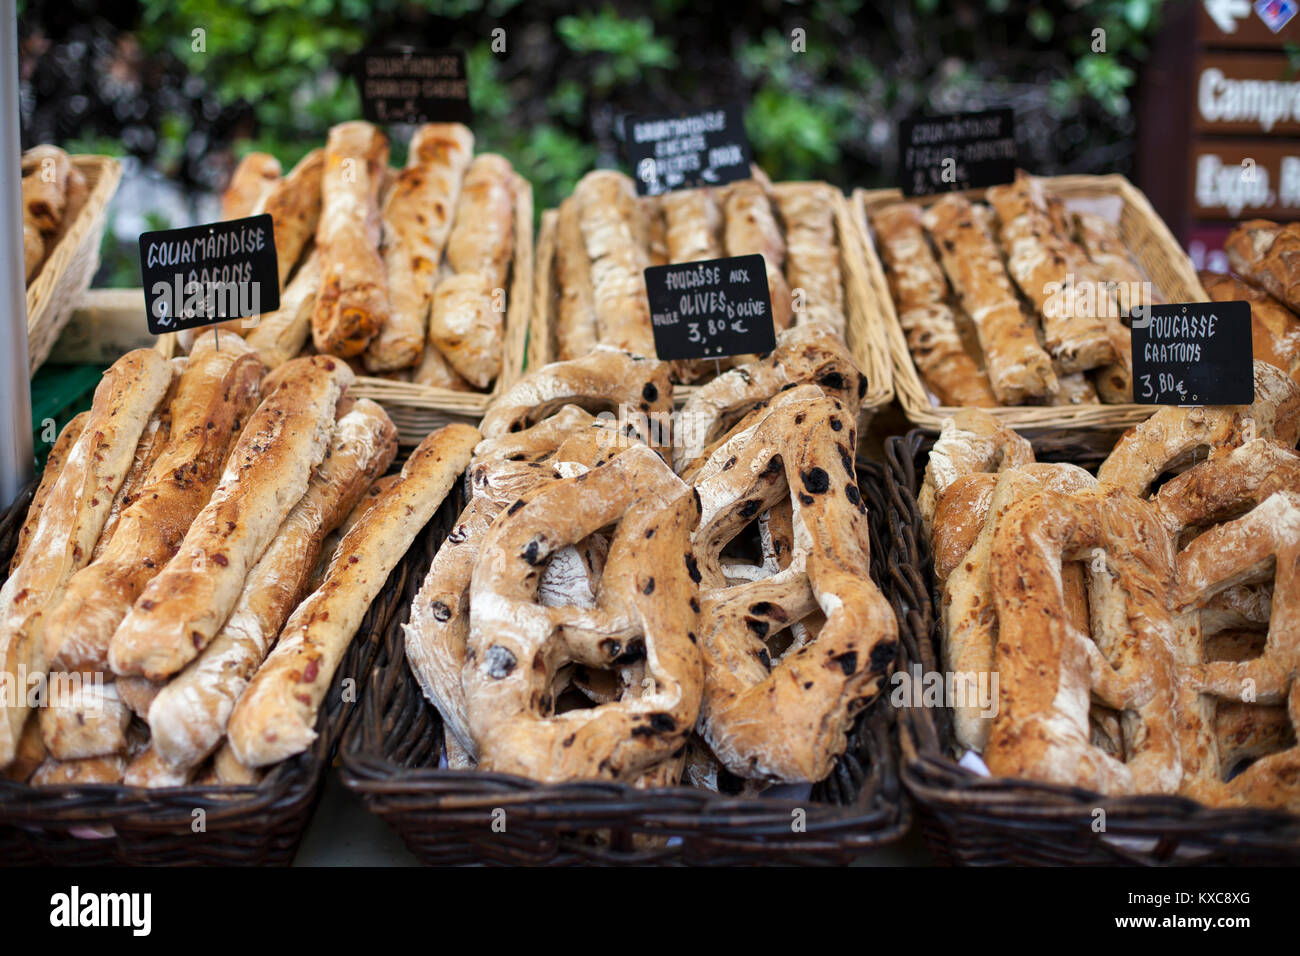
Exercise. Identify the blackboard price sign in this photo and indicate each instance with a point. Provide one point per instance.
(687, 150)
(711, 308)
(204, 274)
(958, 151)
(413, 86)
(1197, 353)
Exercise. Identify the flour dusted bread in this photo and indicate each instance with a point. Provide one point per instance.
(53, 468)
(250, 184)
(610, 223)
(181, 609)
(276, 717)
(353, 302)
(294, 204)
(1039, 259)
(89, 721)
(214, 397)
(970, 442)
(812, 251)
(70, 523)
(417, 218)
(1018, 368)
(751, 228)
(278, 336)
(576, 330)
(466, 326)
(188, 717)
(920, 293)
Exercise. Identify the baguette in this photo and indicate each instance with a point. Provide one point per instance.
(53, 468)
(417, 220)
(576, 332)
(654, 230)
(89, 720)
(182, 609)
(1017, 366)
(294, 205)
(188, 717)
(279, 336)
(70, 524)
(353, 302)
(466, 328)
(1040, 260)
(250, 184)
(229, 772)
(147, 450)
(482, 236)
(216, 392)
(609, 221)
(812, 251)
(276, 717)
(921, 293)
(751, 228)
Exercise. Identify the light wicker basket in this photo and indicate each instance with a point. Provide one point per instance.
(67, 270)
(865, 298)
(1145, 235)
(417, 410)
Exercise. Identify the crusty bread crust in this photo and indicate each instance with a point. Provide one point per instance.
(182, 609)
(276, 717)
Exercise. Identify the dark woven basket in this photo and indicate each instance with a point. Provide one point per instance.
(253, 825)
(967, 819)
(391, 755)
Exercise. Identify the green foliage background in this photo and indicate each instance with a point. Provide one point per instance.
(826, 81)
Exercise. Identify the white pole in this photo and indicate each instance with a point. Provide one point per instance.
(15, 385)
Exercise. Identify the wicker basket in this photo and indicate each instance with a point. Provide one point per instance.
(417, 410)
(1144, 234)
(391, 758)
(865, 297)
(107, 825)
(972, 820)
(66, 272)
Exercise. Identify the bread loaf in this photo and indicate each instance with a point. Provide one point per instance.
(1275, 330)
(294, 204)
(250, 184)
(483, 233)
(70, 524)
(276, 717)
(576, 331)
(85, 718)
(812, 252)
(53, 468)
(751, 228)
(353, 302)
(216, 393)
(609, 220)
(417, 214)
(181, 609)
(1268, 255)
(921, 295)
(279, 336)
(1017, 366)
(466, 326)
(188, 717)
